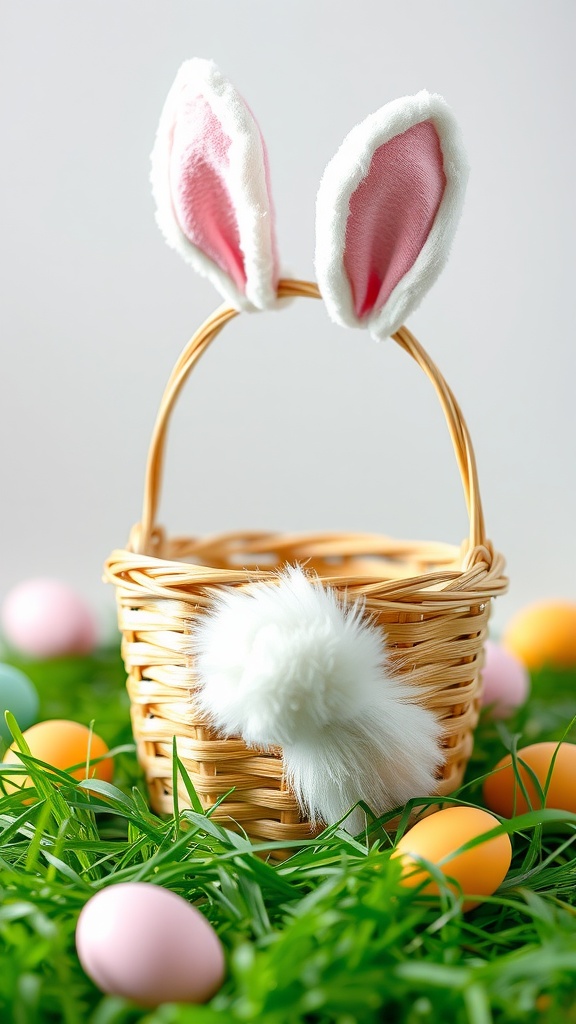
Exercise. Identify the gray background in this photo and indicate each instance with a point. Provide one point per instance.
(290, 422)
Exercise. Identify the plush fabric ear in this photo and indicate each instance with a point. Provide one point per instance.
(388, 206)
(210, 182)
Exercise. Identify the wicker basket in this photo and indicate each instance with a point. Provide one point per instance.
(431, 599)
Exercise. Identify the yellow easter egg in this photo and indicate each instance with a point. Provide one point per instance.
(476, 872)
(505, 796)
(543, 634)
(62, 744)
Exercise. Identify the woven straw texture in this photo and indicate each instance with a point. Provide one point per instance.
(432, 600)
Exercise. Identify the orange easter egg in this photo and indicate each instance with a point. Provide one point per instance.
(543, 634)
(503, 794)
(63, 744)
(477, 872)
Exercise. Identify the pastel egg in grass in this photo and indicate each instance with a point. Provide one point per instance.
(553, 765)
(476, 872)
(62, 744)
(17, 694)
(45, 618)
(543, 634)
(145, 943)
(505, 681)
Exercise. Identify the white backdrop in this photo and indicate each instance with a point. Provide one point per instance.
(290, 422)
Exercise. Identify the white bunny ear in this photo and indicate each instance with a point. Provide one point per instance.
(210, 183)
(388, 207)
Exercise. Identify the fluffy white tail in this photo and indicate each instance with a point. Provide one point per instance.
(293, 664)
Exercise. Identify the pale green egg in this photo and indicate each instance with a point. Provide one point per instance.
(17, 694)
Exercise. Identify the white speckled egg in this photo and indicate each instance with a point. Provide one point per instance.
(145, 943)
(505, 681)
(45, 618)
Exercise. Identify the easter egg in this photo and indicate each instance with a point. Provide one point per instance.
(142, 942)
(62, 744)
(17, 695)
(478, 871)
(544, 634)
(505, 681)
(503, 794)
(45, 618)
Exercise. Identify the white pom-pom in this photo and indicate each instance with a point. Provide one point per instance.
(292, 664)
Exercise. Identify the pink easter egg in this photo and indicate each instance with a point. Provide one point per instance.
(145, 943)
(506, 682)
(44, 618)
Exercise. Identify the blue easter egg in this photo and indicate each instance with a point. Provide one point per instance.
(17, 694)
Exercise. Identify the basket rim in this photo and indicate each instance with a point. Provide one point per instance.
(466, 577)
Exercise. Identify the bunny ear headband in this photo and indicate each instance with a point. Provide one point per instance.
(387, 208)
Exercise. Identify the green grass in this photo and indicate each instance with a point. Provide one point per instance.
(325, 936)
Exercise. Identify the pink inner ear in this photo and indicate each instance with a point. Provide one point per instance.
(391, 214)
(203, 205)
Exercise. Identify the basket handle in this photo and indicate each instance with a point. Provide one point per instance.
(143, 534)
